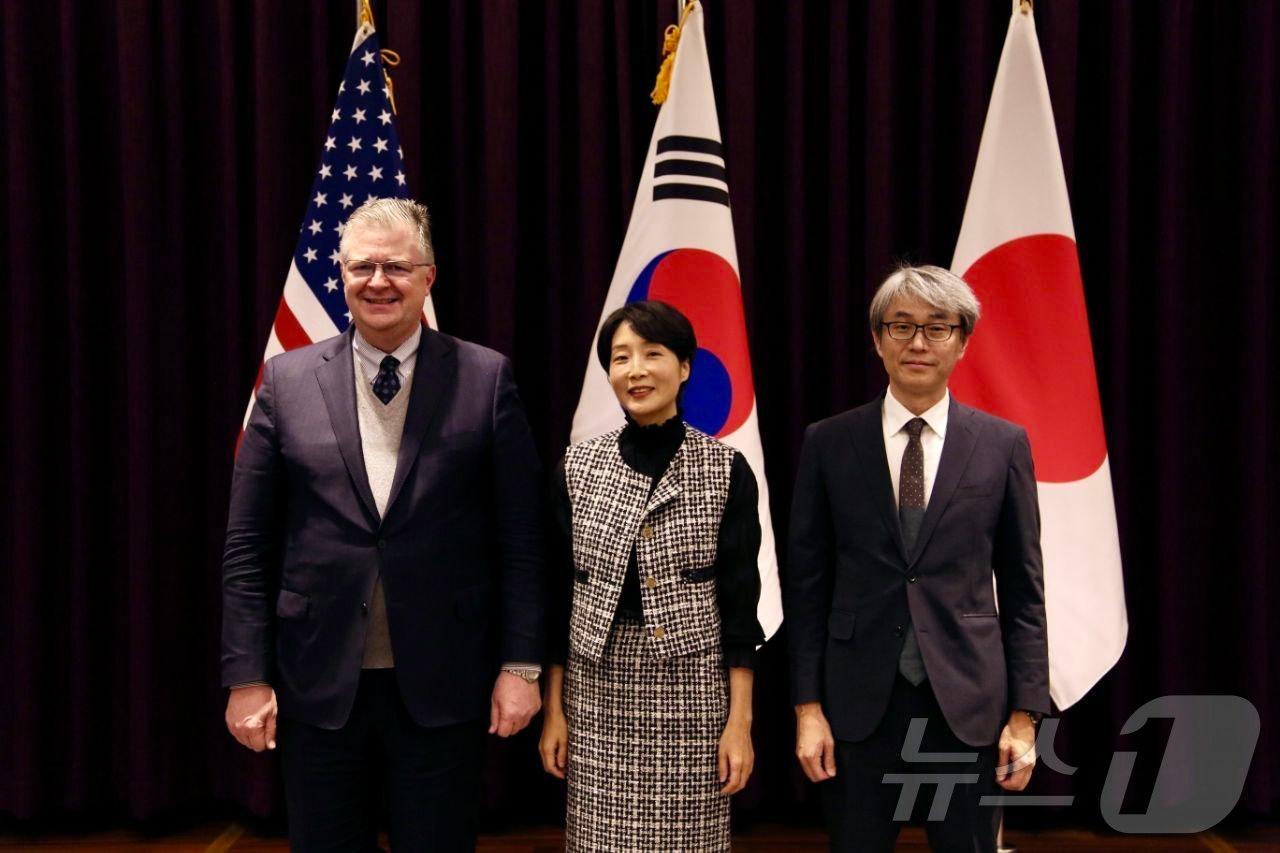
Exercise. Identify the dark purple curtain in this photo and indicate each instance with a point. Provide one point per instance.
(157, 157)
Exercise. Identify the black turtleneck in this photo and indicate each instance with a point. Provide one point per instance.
(649, 450)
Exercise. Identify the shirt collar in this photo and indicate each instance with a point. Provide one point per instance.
(896, 415)
(405, 353)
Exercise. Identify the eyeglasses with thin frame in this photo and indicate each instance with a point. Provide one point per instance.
(936, 332)
(361, 269)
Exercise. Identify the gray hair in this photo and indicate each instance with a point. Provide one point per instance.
(935, 286)
(386, 213)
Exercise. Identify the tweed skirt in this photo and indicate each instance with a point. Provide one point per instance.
(644, 735)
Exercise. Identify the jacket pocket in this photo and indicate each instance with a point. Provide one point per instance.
(705, 573)
(840, 625)
(980, 489)
(292, 605)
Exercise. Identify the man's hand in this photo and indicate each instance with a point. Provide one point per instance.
(1017, 754)
(554, 743)
(251, 716)
(815, 747)
(513, 705)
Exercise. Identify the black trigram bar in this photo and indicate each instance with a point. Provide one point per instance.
(695, 192)
(697, 168)
(691, 168)
(696, 144)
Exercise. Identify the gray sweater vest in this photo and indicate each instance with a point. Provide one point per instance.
(381, 428)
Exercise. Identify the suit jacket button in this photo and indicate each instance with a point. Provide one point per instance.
(650, 582)
(364, 608)
(659, 632)
(897, 632)
(382, 543)
(911, 579)
(647, 531)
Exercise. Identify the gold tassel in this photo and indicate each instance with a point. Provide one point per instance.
(391, 58)
(670, 41)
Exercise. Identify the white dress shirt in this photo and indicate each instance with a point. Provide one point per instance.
(893, 417)
(370, 357)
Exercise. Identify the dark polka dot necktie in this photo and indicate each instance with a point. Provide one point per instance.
(387, 383)
(911, 480)
(910, 515)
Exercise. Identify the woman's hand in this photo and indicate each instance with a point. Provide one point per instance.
(553, 746)
(554, 743)
(737, 757)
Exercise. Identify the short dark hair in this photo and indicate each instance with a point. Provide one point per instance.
(656, 322)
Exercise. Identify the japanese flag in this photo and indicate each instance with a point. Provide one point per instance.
(1031, 360)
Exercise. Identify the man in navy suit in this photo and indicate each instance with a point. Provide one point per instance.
(382, 578)
(914, 591)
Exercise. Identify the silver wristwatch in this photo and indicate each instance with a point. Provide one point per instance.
(528, 674)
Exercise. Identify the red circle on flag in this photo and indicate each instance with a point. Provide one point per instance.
(704, 286)
(1030, 360)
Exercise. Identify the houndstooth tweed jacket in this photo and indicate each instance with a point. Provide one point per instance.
(674, 534)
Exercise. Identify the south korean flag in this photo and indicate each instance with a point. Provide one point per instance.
(680, 249)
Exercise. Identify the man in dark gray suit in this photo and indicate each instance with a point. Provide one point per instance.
(906, 510)
(383, 557)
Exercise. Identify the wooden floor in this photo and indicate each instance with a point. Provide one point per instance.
(761, 839)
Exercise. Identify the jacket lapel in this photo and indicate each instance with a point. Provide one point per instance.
(868, 445)
(434, 376)
(956, 450)
(336, 375)
(669, 485)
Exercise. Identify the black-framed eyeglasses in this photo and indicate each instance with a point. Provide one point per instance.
(936, 332)
(362, 270)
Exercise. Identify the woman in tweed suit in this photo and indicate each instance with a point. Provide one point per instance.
(648, 706)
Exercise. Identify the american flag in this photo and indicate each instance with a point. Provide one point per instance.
(361, 159)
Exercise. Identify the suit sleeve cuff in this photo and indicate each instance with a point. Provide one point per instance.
(523, 665)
